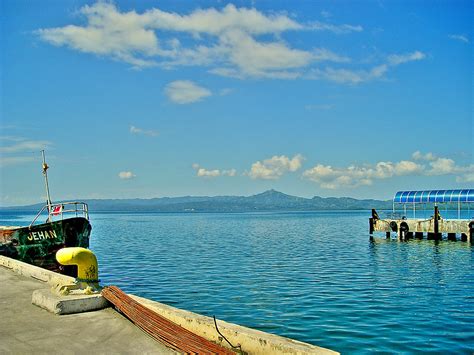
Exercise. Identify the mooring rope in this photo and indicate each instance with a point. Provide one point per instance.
(238, 346)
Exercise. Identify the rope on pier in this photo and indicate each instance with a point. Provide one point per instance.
(160, 328)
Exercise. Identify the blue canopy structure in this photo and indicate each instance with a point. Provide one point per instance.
(434, 196)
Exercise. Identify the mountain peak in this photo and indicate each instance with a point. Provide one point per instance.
(271, 192)
(272, 196)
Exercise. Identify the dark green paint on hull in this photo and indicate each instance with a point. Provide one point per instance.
(38, 244)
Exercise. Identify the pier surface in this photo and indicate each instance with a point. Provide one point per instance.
(26, 328)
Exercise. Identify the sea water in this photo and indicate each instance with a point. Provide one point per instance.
(314, 277)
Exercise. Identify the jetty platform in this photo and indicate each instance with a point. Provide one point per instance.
(433, 227)
(27, 328)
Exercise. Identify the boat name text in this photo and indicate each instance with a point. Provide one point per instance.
(41, 235)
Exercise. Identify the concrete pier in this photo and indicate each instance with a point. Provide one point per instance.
(416, 228)
(27, 329)
(434, 227)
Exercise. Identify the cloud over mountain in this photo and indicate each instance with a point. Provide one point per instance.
(428, 164)
(275, 167)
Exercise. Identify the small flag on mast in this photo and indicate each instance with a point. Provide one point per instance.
(57, 210)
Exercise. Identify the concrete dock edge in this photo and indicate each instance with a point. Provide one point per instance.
(35, 272)
(252, 341)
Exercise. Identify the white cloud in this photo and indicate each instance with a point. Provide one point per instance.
(420, 156)
(24, 145)
(146, 132)
(229, 41)
(397, 59)
(11, 138)
(461, 38)
(213, 21)
(7, 161)
(351, 76)
(353, 176)
(201, 172)
(233, 44)
(126, 175)
(406, 167)
(275, 167)
(323, 54)
(442, 166)
(338, 29)
(231, 172)
(12, 148)
(467, 177)
(185, 92)
(123, 36)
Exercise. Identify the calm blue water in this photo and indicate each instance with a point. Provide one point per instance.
(314, 277)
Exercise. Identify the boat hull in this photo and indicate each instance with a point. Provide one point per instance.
(39, 243)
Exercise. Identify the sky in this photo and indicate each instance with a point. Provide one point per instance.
(172, 98)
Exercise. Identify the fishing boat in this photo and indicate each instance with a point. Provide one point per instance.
(66, 225)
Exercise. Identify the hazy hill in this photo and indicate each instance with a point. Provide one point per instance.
(270, 200)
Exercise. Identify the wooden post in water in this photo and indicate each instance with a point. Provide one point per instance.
(419, 235)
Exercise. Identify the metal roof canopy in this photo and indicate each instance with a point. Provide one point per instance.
(434, 196)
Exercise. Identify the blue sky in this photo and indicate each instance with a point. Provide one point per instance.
(164, 98)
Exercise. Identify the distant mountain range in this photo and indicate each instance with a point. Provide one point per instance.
(270, 200)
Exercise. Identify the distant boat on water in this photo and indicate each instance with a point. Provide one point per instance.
(67, 225)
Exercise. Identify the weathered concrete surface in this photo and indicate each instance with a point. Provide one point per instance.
(425, 225)
(252, 341)
(25, 328)
(73, 303)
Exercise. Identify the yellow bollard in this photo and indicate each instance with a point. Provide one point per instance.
(87, 268)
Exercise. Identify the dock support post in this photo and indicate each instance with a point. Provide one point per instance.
(463, 237)
(452, 237)
(471, 232)
(388, 235)
(419, 235)
(436, 235)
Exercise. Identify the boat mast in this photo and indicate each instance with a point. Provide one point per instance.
(45, 173)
